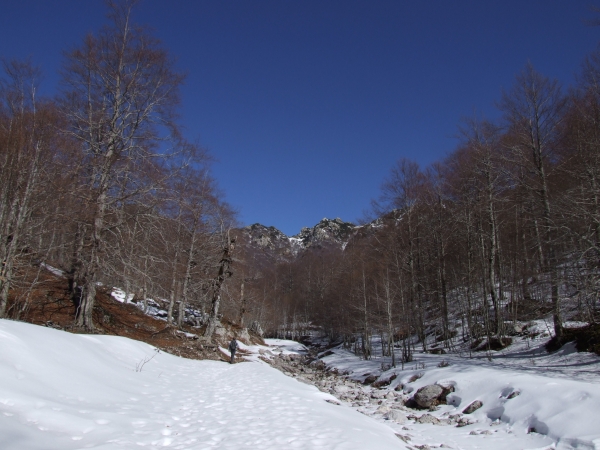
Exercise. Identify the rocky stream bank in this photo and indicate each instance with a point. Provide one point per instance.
(379, 397)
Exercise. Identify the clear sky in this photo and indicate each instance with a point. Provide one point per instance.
(307, 104)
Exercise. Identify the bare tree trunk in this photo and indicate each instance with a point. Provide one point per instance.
(188, 272)
(224, 273)
(243, 305)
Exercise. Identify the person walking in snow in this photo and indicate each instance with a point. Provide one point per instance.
(233, 346)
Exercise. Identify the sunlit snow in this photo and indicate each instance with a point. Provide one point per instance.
(61, 391)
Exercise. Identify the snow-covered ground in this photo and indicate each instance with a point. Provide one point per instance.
(61, 391)
(66, 391)
(531, 399)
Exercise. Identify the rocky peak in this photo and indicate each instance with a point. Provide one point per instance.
(265, 237)
(272, 243)
(326, 232)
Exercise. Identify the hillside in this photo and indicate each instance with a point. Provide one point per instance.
(50, 305)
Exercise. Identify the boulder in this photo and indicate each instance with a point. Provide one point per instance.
(473, 407)
(396, 415)
(382, 383)
(370, 379)
(428, 396)
(428, 418)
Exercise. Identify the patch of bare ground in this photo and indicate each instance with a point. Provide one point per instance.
(49, 303)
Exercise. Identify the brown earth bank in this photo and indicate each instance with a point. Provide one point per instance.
(49, 303)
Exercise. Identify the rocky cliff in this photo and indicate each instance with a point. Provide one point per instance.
(265, 244)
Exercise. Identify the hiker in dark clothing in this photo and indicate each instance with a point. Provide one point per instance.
(233, 346)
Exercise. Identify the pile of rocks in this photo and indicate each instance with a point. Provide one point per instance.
(377, 399)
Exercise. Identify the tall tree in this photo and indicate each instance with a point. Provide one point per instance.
(534, 110)
(120, 88)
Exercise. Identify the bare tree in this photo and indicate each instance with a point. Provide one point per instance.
(27, 135)
(119, 91)
(534, 109)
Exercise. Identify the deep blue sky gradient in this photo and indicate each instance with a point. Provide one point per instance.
(307, 104)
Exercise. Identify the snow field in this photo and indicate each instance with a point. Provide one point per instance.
(60, 391)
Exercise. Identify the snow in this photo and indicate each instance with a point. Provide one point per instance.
(68, 391)
(59, 273)
(121, 296)
(285, 346)
(188, 335)
(62, 391)
(554, 401)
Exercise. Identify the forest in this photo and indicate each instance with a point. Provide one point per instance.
(99, 182)
(505, 229)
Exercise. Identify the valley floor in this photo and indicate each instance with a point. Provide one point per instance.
(531, 399)
(65, 391)
(61, 391)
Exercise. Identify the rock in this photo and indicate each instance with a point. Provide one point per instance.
(404, 438)
(463, 423)
(383, 409)
(382, 383)
(428, 418)
(513, 394)
(475, 432)
(341, 389)
(473, 407)
(377, 394)
(396, 415)
(427, 396)
(244, 336)
(370, 379)
(220, 331)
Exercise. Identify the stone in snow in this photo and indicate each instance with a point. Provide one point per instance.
(474, 406)
(427, 396)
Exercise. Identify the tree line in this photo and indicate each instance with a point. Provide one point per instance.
(100, 181)
(505, 228)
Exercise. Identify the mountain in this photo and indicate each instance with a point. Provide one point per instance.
(328, 232)
(265, 245)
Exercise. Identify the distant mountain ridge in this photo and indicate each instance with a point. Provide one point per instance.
(267, 243)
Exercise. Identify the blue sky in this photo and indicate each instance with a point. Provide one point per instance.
(307, 104)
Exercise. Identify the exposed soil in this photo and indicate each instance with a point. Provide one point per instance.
(50, 304)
